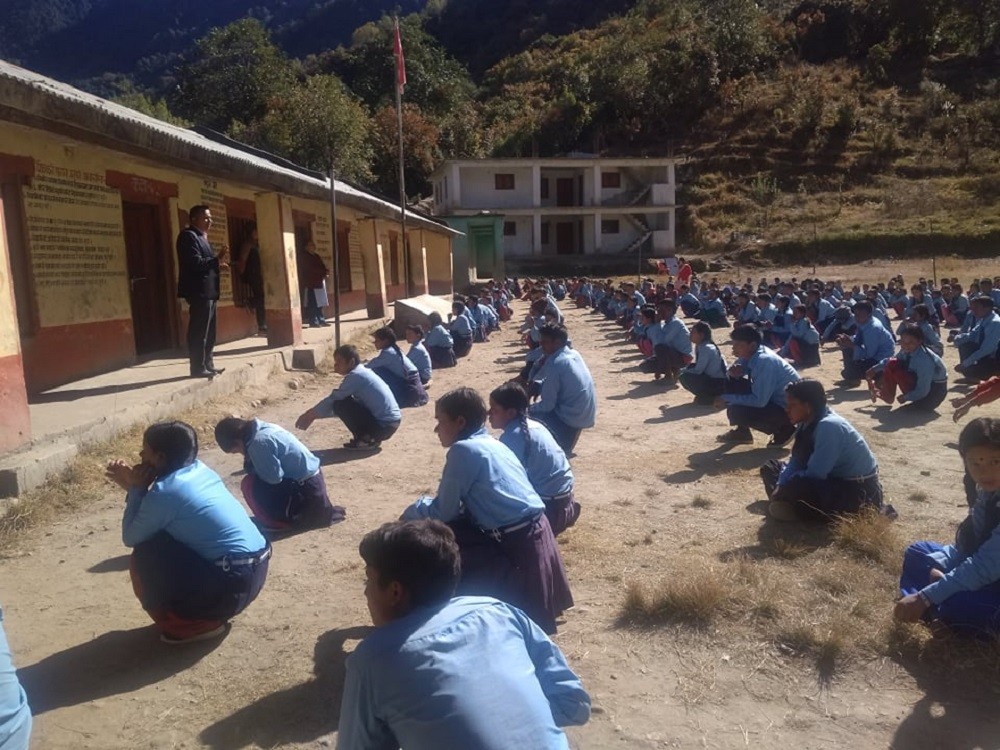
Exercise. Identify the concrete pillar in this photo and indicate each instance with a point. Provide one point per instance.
(371, 257)
(671, 175)
(597, 184)
(536, 185)
(455, 195)
(536, 234)
(276, 231)
(598, 220)
(418, 261)
(15, 419)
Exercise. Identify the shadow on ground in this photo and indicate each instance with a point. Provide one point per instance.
(299, 714)
(719, 460)
(121, 661)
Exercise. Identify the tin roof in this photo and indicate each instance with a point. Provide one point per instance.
(30, 98)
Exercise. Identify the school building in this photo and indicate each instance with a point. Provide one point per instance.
(581, 205)
(92, 197)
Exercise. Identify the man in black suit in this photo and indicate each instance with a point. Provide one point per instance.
(198, 283)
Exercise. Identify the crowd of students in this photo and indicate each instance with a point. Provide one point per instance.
(475, 569)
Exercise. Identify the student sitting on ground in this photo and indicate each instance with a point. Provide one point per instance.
(439, 343)
(543, 460)
(396, 369)
(870, 345)
(959, 585)
(746, 310)
(843, 323)
(917, 371)
(755, 391)
(362, 401)
(419, 355)
(831, 470)
(713, 311)
(15, 715)
(980, 347)
(284, 485)
(671, 344)
(507, 546)
(777, 332)
(445, 673)
(802, 347)
(567, 402)
(706, 376)
(922, 317)
(460, 327)
(197, 558)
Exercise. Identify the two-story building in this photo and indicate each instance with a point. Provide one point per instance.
(563, 206)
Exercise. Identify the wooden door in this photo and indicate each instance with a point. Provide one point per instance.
(565, 240)
(564, 191)
(147, 277)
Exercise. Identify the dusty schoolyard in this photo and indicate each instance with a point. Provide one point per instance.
(698, 623)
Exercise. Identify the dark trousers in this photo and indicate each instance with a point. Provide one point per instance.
(441, 356)
(984, 369)
(201, 334)
(934, 397)
(409, 391)
(855, 369)
(181, 590)
(291, 504)
(665, 361)
(702, 386)
(565, 436)
(822, 499)
(311, 311)
(462, 345)
(361, 422)
(769, 419)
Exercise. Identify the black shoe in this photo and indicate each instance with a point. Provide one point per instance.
(216, 370)
(780, 439)
(202, 373)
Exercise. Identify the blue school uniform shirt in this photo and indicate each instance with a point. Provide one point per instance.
(985, 334)
(926, 366)
(766, 314)
(567, 389)
(276, 454)
(824, 310)
(421, 359)
(715, 304)
(689, 300)
(471, 673)
(439, 336)
(675, 334)
(959, 304)
(393, 360)
(804, 330)
(879, 315)
(769, 374)
(873, 341)
(544, 461)
(748, 314)
(839, 452)
(709, 361)
(552, 307)
(782, 322)
(370, 390)
(931, 339)
(461, 325)
(194, 507)
(968, 573)
(483, 479)
(15, 716)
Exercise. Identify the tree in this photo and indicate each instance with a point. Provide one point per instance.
(234, 73)
(420, 146)
(315, 123)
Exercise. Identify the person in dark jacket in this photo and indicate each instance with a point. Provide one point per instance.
(198, 269)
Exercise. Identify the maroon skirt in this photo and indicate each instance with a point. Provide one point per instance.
(522, 568)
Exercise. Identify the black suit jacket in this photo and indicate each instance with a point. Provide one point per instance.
(197, 266)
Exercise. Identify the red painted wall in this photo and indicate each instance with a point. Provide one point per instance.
(15, 419)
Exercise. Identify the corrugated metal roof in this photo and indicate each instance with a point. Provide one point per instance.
(147, 132)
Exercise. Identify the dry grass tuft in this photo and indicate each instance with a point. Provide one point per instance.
(870, 536)
(787, 549)
(696, 600)
(918, 497)
(701, 502)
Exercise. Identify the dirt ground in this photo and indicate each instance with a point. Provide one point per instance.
(661, 502)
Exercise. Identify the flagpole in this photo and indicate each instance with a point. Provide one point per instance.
(336, 256)
(400, 79)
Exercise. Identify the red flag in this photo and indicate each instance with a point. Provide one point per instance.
(397, 50)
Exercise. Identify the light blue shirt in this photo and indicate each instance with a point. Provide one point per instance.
(439, 336)
(748, 314)
(194, 507)
(688, 300)
(461, 325)
(985, 334)
(567, 389)
(543, 460)
(714, 304)
(367, 388)
(675, 334)
(277, 454)
(873, 341)
(393, 360)
(769, 374)
(968, 573)
(15, 716)
(839, 452)
(709, 361)
(472, 674)
(421, 359)
(483, 478)
(766, 314)
(824, 310)
(931, 339)
(927, 367)
(804, 330)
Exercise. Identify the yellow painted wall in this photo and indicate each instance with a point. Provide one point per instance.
(10, 342)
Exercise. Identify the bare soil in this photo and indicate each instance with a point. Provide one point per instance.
(798, 650)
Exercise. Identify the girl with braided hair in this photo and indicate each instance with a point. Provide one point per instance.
(544, 461)
(397, 370)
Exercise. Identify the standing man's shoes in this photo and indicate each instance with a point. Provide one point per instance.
(202, 374)
(216, 370)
